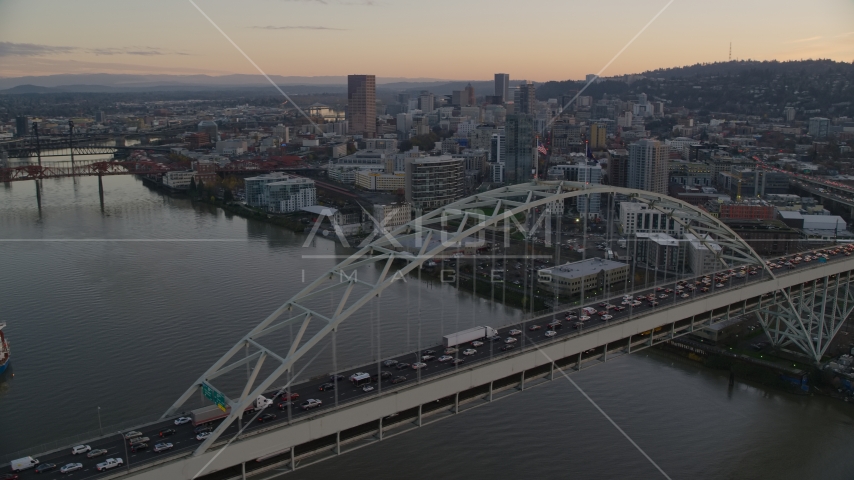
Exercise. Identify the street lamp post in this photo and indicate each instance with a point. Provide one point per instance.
(127, 457)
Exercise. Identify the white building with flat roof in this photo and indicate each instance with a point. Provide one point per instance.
(638, 217)
(391, 215)
(701, 254)
(290, 195)
(587, 274)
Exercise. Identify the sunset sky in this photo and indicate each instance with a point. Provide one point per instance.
(447, 39)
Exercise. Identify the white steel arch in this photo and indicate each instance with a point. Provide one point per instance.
(449, 227)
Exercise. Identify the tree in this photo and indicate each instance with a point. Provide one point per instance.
(227, 196)
(193, 184)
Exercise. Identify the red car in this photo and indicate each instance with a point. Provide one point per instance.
(9, 476)
(293, 396)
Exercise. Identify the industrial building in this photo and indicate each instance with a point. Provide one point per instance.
(587, 274)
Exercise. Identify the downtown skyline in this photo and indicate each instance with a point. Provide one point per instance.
(333, 38)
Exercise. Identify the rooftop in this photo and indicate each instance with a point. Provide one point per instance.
(591, 266)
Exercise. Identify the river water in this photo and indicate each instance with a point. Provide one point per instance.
(123, 309)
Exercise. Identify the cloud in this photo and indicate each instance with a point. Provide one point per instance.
(297, 27)
(140, 51)
(801, 40)
(9, 49)
(844, 34)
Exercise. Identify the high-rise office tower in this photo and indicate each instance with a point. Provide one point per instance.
(519, 158)
(362, 104)
(648, 166)
(22, 126)
(598, 136)
(469, 95)
(425, 102)
(502, 86)
(526, 100)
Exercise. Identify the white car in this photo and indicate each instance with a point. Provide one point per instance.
(162, 447)
(445, 358)
(80, 449)
(203, 436)
(550, 333)
(635, 303)
(183, 420)
(583, 318)
(109, 463)
(515, 332)
(510, 340)
(476, 343)
(71, 467)
(685, 295)
(367, 388)
(417, 365)
(450, 351)
(607, 317)
(470, 351)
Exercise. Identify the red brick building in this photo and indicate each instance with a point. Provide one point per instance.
(747, 211)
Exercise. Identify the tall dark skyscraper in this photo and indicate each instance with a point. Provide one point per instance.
(519, 158)
(527, 98)
(362, 104)
(502, 86)
(22, 126)
(470, 95)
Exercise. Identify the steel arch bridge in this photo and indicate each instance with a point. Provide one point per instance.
(451, 230)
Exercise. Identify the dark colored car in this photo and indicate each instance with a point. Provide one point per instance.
(44, 467)
(9, 476)
(555, 325)
(267, 417)
(534, 327)
(399, 379)
(168, 432)
(284, 405)
(457, 361)
(506, 347)
(138, 447)
(332, 378)
(202, 428)
(428, 352)
(326, 386)
(384, 375)
(293, 396)
(401, 366)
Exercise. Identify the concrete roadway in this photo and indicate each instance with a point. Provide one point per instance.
(184, 439)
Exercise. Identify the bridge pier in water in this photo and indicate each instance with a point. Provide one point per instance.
(101, 190)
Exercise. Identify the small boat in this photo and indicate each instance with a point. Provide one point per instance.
(5, 353)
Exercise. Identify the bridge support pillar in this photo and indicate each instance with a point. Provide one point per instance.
(101, 190)
(457, 403)
(293, 464)
(578, 364)
(522, 384)
(39, 194)
(381, 429)
(490, 391)
(419, 415)
(243, 469)
(338, 443)
(552, 371)
(605, 353)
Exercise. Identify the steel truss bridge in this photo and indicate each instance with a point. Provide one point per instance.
(80, 169)
(802, 310)
(64, 150)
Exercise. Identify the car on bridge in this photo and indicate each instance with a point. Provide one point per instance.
(109, 463)
(132, 434)
(535, 327)
(267, 417)
(445, 358)
(397, 380)
(510, 340)
(401, 366)
(80, 449)
(418, 365)
(458, 361)
(476, 343)
(550, 333)
(469, 351)
(183, 420)
(292, 396)
(203, 436)
(427, 358)
(326, 386)
(162, 447)
(450, 351)
(138, 446)
(96, 453)
(367, 387)
(607, 317)
(71, 467)
(310, 404)
(45, 467)
(515, 332)
(390, 363)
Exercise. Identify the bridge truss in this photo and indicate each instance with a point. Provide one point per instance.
(515, 212)
(80, 168)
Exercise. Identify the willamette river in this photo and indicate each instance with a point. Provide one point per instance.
(123, 309)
